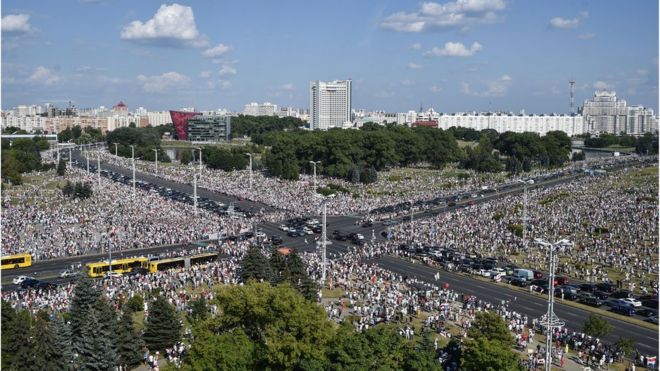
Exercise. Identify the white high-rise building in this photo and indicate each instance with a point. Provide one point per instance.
(330, 104)
(608, 114)
(256, 109)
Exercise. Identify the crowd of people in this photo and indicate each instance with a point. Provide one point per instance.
(52, 225)
(612, 224)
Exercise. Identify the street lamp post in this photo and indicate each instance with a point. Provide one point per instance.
(87, 158)
(195, 192)
(315, 163)
(98, 167)
(200, 161)
(70, 159)
(551, 320)
(156, 161)
(250, 156)
(115, 150)
(133, 162)
(524, 219)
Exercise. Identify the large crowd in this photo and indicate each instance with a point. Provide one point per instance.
(612, 223)
(51, 225)
(299, 197)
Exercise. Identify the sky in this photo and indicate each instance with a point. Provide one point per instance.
(454, 56)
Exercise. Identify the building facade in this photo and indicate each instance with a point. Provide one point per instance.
(256, 109)
(214, 128)
(330, 104)
(606, 113)
(503, 122)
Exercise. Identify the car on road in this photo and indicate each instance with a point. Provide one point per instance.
(292, 233)
(625, 310)
(20, 279)
(276, 240)
(68, 273)
(653, 319)
(561, 280)
(29, 282)
(590, 300)
(621, 294)
(606, 287)
(632, 301)
(43, 285)
(588, 287)
(520, 282)
(647, 312)
(367, 224)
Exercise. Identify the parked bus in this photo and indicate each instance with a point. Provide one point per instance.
(181, 262)
(16, 261)
(119, 266)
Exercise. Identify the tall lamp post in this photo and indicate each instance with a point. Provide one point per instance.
(200, 160)
(315, 163)
(195, 192)
(524, 218)
(250, 156)
(550, 320)
(115, 149)
(133, 161)
(98, 167)
(156, 161)
(70, 159)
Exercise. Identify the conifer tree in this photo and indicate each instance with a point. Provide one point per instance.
(45, 350)
(96, 350)
(163, 328)
(62, 332)
(255, 266)
(20, 342)
(129, 343)
(8, 318)
(84, 297)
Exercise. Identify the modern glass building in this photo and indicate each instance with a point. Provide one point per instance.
(209, 128)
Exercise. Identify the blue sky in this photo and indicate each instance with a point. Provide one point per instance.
(453, 56)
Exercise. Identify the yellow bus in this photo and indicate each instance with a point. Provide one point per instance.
(180, 262)
(119, 266)
(16, 261)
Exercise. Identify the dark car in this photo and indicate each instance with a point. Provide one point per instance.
(602, 295)
(561, 280)
(292, 233)
(539, 282)
(276, 240)
(43, 285)
(358, 242)
(651, 303)
(625, 310)
(621, 294)
(519, 282)
(29, 282)
(606, 286)
(591, 300)
(340, 237)
(587, 287)
(367, 224)
(647, 312)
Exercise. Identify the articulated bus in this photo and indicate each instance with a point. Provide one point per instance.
(120, 266)
(16, 261)
(180, 262)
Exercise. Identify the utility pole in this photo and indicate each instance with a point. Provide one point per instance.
(133, 161)
(115, 150)
(315, 163)
(156, 152)
(87, 158)
(195, 192)
(98, 167)
(70, 159)
(550, 320)
(250, 156)
(324, 242)
(524, 218)
(412, 226)
(200, 161)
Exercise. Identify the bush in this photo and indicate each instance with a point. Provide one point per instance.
(516, 229)
(135, 303)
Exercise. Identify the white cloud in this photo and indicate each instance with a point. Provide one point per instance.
(227, 70)
(452, 49)
(408, 82)
(220, 84)
(416, 46)
(457, 15)
(435, 89)
(172, 25)
(16, 23)
(494, 88)
(216, 51)
(43, 75)
(586, 36)
(205, 74)
(601, 85)
(160, 83)
(566, 23)
(288, 87)
(414, 66)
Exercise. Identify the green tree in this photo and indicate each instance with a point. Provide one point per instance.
(19, 343)
(163, 328)
(186, 157)
(491, 326)
(231, 350)
(8, 318)
(199, 310)
(62, 332)
(129, 343)
(75, 132)
(84, 297)
(597, 326)
(626, 347)
(61, 167)
(254, 265)
(135, 303)
(64, 136)
(96, 350)
(46, 350)
(481, 354)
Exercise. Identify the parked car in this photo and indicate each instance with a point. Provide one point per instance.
(621, 294)
(653, 319)
(606, 286)
(43, 285)
(20, 279)
(276, 240)
(29, 282)
(625, 310)
(632, 301)
(588, 287)
(647, 312)
(591, 300)
(602, 295)
(561, 280)
(520, 282)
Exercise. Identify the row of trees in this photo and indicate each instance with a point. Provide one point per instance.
(77, 190)
(80, 136)
(256, 126)
(145, 140)
(22, 156)
(343, 152)
(93, 335)
(645, 144)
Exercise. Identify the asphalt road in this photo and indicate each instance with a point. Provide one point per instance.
(533, 306)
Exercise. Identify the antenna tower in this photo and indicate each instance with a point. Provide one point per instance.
(571, 82)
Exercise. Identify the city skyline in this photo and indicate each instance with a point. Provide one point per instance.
(463, 55)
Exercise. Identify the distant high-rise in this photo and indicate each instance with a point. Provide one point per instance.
(608, 114)
(330, 104)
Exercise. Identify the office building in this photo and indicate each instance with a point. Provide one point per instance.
(209, 128)
(256, 109)
(606, 113)
(330, 104)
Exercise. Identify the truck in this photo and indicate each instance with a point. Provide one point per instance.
(525, 274)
